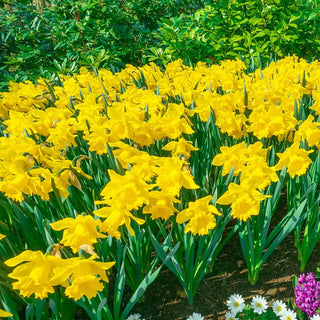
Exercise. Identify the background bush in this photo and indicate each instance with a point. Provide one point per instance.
(228, 28)
(40, 38)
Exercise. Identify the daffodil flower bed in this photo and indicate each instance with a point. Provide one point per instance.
(113, 176)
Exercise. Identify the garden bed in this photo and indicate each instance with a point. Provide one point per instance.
(165, 298)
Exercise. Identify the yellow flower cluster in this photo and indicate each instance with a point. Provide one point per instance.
(130, 112)
(32, 167)
(255, 174)
(38, 274)
(156, 184)
(142, 106)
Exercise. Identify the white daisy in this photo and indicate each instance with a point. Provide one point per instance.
(259, 304)
(136, 316)
(315, 317)
(278, 307)
(231, 316)
(288, 315)
(196, 316)
(235, 303)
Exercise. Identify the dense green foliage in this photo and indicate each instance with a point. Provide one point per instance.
(230, 28)
(61, 36)
(64, 35)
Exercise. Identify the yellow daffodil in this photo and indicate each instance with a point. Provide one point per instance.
(295, 159)
(200, 215)
(309, 130)
(130, 190)
(231, 157)
(116, 215)
(181, 147)
(79, 231)
(85, 276)
(244, 199)
(34, 275)
(161, 205)
(259, 173)
(270, 120)
(172, 175)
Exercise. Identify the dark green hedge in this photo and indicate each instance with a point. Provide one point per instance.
(227, 29)
(63, 35)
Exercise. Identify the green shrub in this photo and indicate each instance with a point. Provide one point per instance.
(228, 28)
(62, 35)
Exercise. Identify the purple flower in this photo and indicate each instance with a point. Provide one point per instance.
(307, 293)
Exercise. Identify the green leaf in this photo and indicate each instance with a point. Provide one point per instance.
(8, 304)
(255, 20)
(313, 15)
(287, 224)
